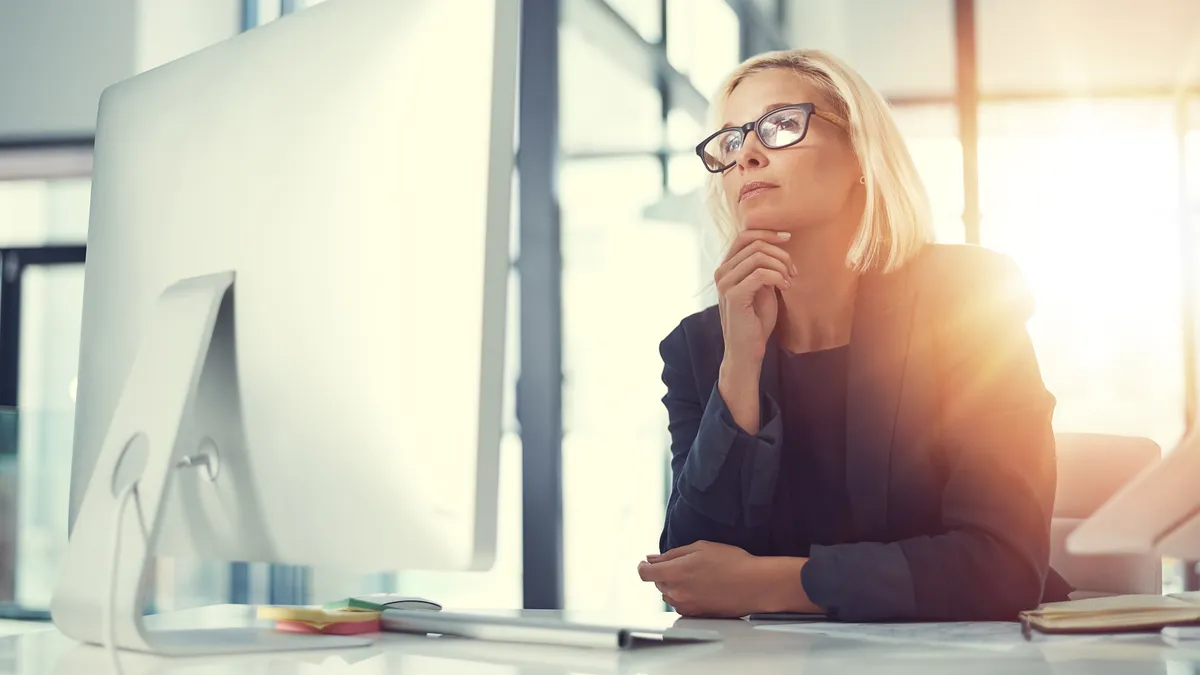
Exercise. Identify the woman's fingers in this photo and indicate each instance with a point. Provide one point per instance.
(742, 295)
(756, 246)
(747, 237)
(753, 263)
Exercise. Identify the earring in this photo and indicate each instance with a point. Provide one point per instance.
(862, 180)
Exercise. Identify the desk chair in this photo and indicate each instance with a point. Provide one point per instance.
(1091, 468)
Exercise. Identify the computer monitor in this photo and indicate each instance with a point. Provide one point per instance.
(294, 309)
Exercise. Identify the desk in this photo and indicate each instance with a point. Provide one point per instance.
(745, 650)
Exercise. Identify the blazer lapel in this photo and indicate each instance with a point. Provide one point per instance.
(878, 350)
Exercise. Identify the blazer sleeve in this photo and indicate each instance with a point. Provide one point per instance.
(991, 556)
(722, 478)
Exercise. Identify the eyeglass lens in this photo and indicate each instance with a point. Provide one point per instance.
(778, 129)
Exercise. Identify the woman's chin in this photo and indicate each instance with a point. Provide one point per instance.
(778, 222)
(764, 219)
(771, 224)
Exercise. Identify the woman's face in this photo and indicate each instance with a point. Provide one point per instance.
(813, 183)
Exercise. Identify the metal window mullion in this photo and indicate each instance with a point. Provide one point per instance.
(539, 264)
(608, 31)
(967, 98)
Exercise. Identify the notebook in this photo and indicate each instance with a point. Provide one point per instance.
(1116, 614)
(300, 619)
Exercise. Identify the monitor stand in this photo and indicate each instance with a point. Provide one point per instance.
(154, 432)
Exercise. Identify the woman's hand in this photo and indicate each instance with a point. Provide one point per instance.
(721, 581)
(747, 281)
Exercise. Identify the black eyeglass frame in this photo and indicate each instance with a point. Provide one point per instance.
(809, 109)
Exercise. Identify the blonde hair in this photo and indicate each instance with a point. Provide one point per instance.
(897, 221)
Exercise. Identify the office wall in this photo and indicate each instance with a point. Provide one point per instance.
(907, 48)
(902, 48)
(57, 56)
(1084, 45)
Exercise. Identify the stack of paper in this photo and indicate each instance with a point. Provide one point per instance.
(295, 619)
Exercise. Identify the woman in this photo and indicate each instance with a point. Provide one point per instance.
(859, 427)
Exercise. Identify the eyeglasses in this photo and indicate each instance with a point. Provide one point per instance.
(778, 128)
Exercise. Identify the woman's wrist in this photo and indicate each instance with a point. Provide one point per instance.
(738, 384)
(740, 369)
(778, 586)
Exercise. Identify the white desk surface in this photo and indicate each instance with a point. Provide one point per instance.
(745, 650)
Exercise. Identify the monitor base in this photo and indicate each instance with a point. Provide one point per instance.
(101, 588)
(210, 641)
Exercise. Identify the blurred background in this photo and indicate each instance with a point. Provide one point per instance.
(1065, 134)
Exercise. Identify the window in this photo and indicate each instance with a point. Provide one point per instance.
(685, 174)
(36, 213)
(703, 41)
(602, 107)
(644, 15)
(40, 212)
(51, 312)
(627, 281)
(1084, 195)
(632, 269)
(931, 133)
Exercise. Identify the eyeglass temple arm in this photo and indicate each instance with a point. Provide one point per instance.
(832, 119)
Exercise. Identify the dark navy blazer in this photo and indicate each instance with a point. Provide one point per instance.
(950, 463)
